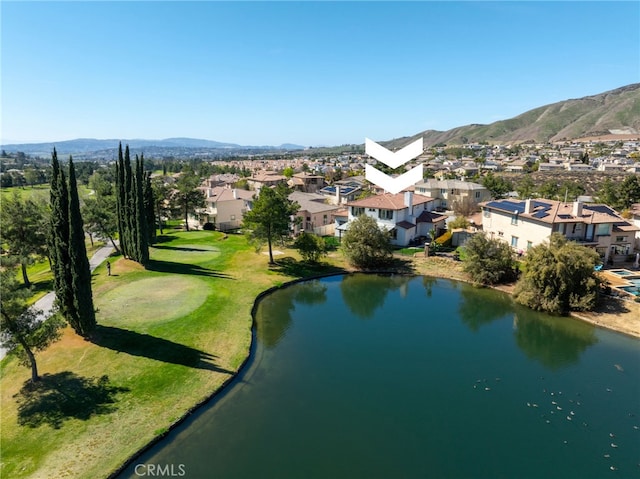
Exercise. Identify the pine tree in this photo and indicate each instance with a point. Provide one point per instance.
(84, 319)
(59, 239)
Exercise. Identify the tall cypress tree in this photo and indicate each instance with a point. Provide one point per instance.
(142, 236)
(149, 207)
(120, 201)
(59, 239)
(84, 317)
(131, 210)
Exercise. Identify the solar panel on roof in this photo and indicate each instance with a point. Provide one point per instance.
(507, 205)
(540, 214)
(600, 209)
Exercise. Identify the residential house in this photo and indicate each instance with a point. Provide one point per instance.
(339, 194)
(264, 178)
(306, 182)
(406, 215)
(517, 166)
(225, 207)
(224, 179)
(447, 193)
(315, 213)
(524, 224)
(635, 219)
(552, 166)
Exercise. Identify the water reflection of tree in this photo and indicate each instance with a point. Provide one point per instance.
(555, 342)
(364, 293)
(479, 307)
(429, 282)
(274, 315)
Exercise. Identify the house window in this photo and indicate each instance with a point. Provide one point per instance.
(443, 191)
(355, 211)
(324, 219)
(514, 241)
(486, 213)
(602, 230)
(385, 214)
(514, 219)
(394, 234)
(620, 239)
(477, 195)
(529, 245)
(308, 218)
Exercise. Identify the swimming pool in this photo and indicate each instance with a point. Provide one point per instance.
(621, 272)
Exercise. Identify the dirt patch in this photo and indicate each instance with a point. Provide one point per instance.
(275, 252)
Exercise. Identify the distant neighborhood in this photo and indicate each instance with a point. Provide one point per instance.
(331, 192)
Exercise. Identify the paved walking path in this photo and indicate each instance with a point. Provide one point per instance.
(45, 304)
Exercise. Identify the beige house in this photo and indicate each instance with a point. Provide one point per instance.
(225, 207)
(315, 214)
(524, 224)
(306, 182)
(447, 192)
(261, 179)
(635, 219)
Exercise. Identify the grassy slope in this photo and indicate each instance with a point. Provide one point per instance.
(162, 367)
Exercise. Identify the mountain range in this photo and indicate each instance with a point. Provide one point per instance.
(614, 111)
(92, 145)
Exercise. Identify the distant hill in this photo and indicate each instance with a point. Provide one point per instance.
(615, 111)
(83, 146)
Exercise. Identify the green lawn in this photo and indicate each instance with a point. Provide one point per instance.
(168, 337)
(37, 192)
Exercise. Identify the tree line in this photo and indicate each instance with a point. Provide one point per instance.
(28, 230)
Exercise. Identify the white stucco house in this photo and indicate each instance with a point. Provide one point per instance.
(406, 215)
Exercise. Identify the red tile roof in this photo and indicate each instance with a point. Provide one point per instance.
(388, 201)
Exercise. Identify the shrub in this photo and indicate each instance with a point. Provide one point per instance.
(559, 277)
(365, 244)
(331, 243)
(488, 260)
(311, 247)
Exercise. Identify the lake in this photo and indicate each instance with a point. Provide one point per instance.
(389, 376)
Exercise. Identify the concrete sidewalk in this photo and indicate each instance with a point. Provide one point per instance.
(45, 304)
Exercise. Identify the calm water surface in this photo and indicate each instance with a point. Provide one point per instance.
(368, 376)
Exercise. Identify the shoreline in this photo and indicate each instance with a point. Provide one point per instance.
(614, 314)
(453, 274)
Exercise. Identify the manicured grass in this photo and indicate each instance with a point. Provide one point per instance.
(37, 192)
(168, 337)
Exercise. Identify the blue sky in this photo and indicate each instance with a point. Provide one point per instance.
(310, 73)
